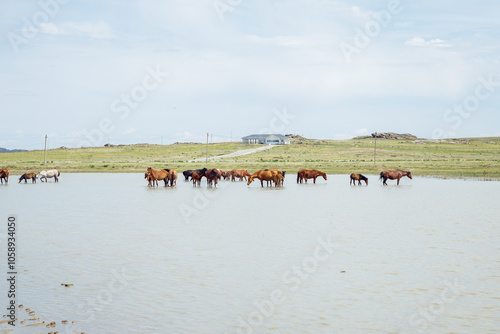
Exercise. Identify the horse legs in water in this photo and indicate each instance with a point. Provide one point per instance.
(385, 179)
(398, 180)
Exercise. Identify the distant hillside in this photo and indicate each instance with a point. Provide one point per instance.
(4, 150)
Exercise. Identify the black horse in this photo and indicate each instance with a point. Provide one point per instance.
(187, 173)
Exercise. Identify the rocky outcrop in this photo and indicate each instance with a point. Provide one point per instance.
(392, 135)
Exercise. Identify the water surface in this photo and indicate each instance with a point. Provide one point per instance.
(421, 257)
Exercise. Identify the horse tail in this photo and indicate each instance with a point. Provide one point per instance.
(298, 177)
(58, 173)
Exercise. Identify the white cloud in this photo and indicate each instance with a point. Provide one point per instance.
(97, 30)
(419, 41)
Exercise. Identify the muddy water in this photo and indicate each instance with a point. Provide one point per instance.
(421, 257)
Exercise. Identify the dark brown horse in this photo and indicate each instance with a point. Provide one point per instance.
(359, 178)
(4, 175)
(213, 176)
(393, 175)
(149, 178)
(187, 173)
(305, 174)
(156, 175)
(27, 176)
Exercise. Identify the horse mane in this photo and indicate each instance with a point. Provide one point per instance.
(167, 170)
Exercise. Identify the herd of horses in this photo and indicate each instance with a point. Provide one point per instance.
(214, 175)
(270, 176)
(44, 174)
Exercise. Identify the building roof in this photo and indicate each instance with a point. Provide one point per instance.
(264, 136)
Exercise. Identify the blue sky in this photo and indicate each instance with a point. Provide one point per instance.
(85, 72)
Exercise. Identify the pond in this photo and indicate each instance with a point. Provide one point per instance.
(421, 257)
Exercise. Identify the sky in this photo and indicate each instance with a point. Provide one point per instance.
(88, 72)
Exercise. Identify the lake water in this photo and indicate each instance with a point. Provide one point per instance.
(422, 257)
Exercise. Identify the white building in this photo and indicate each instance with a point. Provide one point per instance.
(270, 139)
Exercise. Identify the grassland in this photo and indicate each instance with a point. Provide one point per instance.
(471, 157)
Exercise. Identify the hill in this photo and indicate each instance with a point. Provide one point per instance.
(463, 157)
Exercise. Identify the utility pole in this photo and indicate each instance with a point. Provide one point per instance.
(207, 149)
(375, 150)
(161, 140)
(45, 152)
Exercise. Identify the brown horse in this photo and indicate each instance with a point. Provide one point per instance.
(4, 175)
(149, 178)
(158, 175)
(196, 177)
(27, 176)
(277, 172)
(173, 177)
(393, 175)
(213, 176)
(264, 175)
(305, 174)
(240, 174)
(359, 178)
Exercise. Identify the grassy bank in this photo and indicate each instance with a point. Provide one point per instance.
(472, 157)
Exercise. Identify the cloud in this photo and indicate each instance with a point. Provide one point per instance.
(97, 30)
(419, 41)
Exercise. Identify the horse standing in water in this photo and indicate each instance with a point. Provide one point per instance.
(266, 175)
(213, 176)
(173, 177)
(393, 175)
(4, 175)
(305, 174)
(44, 174)
(156, 175)
(27, 176)
(359, 178)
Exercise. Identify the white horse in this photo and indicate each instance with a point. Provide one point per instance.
(44, 174)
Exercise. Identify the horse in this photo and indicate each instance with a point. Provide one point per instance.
(359, 178)
(150, 180)
(173, 177)
(187, 173)
(240, 174)
(264, 175)
(305, 174)
(156, 175)
(393, 175)
(44, 174)
(27, 176)
(4, 175)
(196, 178)
(282, 173)
(213, 176)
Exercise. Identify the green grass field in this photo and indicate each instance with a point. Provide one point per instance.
(470, 157)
